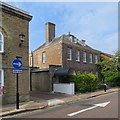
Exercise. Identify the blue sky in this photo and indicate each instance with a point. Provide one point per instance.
(96, 22)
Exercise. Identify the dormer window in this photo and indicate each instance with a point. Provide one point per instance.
(83, 43)
(73, 39)
(1, 42)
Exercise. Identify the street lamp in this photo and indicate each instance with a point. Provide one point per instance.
(21, 37)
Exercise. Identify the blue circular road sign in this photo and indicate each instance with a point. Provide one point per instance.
(17, 64)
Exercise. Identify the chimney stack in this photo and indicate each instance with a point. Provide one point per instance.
(50, 31)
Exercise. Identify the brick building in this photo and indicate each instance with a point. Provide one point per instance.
(109, 56)
(14, 22)
(67, 51)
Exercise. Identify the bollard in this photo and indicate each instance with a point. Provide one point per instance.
(105, 87)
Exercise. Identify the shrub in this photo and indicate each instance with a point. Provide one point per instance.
(113, 80)
(85, 82)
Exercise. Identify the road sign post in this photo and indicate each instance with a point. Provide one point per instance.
(17, 64)
(17, 94)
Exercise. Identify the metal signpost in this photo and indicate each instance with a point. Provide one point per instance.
(17, 64)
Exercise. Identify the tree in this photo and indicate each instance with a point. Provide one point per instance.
(109, 68)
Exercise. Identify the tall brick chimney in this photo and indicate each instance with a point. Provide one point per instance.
(50, 31)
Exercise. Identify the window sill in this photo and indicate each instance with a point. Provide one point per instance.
(77, 61)
(69, 59)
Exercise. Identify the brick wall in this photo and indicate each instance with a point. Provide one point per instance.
(40, 81)
(56, 54)
(79, 66)
(53, 56)
(12, 26)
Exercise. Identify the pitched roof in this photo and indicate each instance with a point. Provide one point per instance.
(106, 54)
(66, 38)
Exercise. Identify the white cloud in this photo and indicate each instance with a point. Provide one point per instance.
(95, 22)
(98, 25)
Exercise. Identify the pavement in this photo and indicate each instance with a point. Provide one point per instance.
(40, 100)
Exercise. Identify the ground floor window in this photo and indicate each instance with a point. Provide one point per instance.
(91, 72)
(78, 72)
(84, 71)
(1, 77)
(96, 73)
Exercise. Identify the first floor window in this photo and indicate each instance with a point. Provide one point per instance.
(1, 42)
(69, 54)
(90, 58)
(96, 58)
(84, 56)
(77, 55)
(1, 77)
(44, 57)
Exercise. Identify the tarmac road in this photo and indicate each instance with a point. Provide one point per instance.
(89, 110)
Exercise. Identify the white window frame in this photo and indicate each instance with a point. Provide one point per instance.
(2, 43)
(43, 57)
(31, 60)
(69, 53)
(2, 77)
(91, 72)
(84, 71)
(90, 58)
(78, 72)
(96, 73)
(96, 59)
(77, 55)
(84, 57)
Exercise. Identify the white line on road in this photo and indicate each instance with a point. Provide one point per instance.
(95, 105)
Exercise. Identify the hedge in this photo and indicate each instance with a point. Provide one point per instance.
(85, 82)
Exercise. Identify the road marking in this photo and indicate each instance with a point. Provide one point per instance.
(95, 105)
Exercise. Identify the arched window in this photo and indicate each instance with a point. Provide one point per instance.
(1, 42)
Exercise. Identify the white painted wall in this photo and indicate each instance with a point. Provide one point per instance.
(68, 88)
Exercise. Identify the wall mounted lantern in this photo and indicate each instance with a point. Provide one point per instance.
(21, 36)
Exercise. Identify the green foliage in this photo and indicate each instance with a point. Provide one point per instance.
(100, 85)
(109, 69)
(85, 82)
(113, 80)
